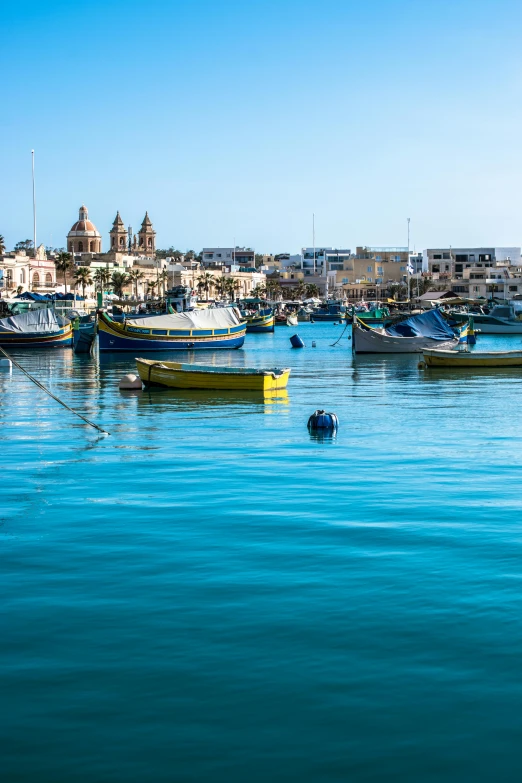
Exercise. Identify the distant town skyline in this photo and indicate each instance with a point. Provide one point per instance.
(235, 122)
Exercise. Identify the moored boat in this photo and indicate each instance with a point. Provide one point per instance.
(41, 328)
(413, 335)
(83, 337)
(502, 319)
(471, 359)
(177, 375)
(332, 310)
(189, 331)
(258, 315)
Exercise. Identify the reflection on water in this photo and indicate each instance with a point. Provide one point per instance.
(214, 593)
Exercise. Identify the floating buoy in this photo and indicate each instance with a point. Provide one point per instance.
(313, 343)
(321, 420)
(296, 341)
(130, 382)
(5, 364)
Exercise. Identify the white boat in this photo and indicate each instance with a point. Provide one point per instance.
(503, 319)
(413, 335)
(291, 320)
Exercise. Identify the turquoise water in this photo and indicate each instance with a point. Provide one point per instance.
(211, 594)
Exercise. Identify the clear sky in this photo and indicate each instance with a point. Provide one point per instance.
(238, 120)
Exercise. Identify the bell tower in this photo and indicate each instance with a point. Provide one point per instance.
(118, 235)
(147, 237)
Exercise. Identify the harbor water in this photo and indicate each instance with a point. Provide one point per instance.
(213, 594)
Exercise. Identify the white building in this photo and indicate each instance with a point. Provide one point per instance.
(451, 262)
(228, 256)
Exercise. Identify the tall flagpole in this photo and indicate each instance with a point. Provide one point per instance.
(313, 237)
(408, 261)
(34, 207)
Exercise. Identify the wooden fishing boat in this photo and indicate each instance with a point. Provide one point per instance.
(440, 358)
(260, 322)
(188, 331)
(36, 329)
(413, 335)
(83, 337)
(176, 375)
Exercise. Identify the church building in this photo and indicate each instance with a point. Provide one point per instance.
(84, 237)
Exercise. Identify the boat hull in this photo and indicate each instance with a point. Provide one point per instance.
(83, 338)
(61, 338)
(261, 323)
(440, 358)
(118, 337)
(496, 326)
(376, 341)
(175, 375)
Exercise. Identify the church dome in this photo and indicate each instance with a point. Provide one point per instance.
(83, 225)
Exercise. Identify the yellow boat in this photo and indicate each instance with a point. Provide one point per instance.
(176, 375)
(438, 358)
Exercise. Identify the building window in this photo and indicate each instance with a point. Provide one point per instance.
(397, 258)
(36, 279)
(345, 280)
(446, 255)
(435, 268)
(92, 247)
(513, 288)
(461, 258)
(437, 257)
(403, 268)
(368, 268)
(80, 247)
(378, 258)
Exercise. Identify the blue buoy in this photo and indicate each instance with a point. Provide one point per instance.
(321, 420)
(296, 341)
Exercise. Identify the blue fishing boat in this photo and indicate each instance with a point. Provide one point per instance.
(215, 328)
(36, 329)
(332, 310)
(258, 314)
(83, 337)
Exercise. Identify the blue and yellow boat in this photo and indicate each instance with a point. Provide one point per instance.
(188, 331)
(36, 329)
(259, 316)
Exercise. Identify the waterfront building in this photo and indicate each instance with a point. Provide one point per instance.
(84, 237)
(231, 256)
(451, 262)
(31, 273)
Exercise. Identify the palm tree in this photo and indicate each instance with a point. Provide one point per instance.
(83, 278)
(164, 279)
(135, 276)
(64, 263)
(220, 286)
(151, 285)
(118, 282)
(2, 245)
(258, 290)
(206, 280)
(312, 290)
(102, 278)
(300, 290)
(273, 289)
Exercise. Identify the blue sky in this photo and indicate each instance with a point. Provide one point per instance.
(238, 120)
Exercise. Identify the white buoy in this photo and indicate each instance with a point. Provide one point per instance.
(130, 382)
(313, 343)
(5, 364)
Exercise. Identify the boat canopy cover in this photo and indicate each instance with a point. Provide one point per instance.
(430, 324)
(216, 318)
(43, 321)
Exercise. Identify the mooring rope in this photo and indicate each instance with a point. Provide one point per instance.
(43, 388)
(341, 337)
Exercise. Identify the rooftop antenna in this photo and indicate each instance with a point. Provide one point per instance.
(313, 237)
(408, 261)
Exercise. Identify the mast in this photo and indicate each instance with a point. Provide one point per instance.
(34, 206)
(313, 239)
(408, 261)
